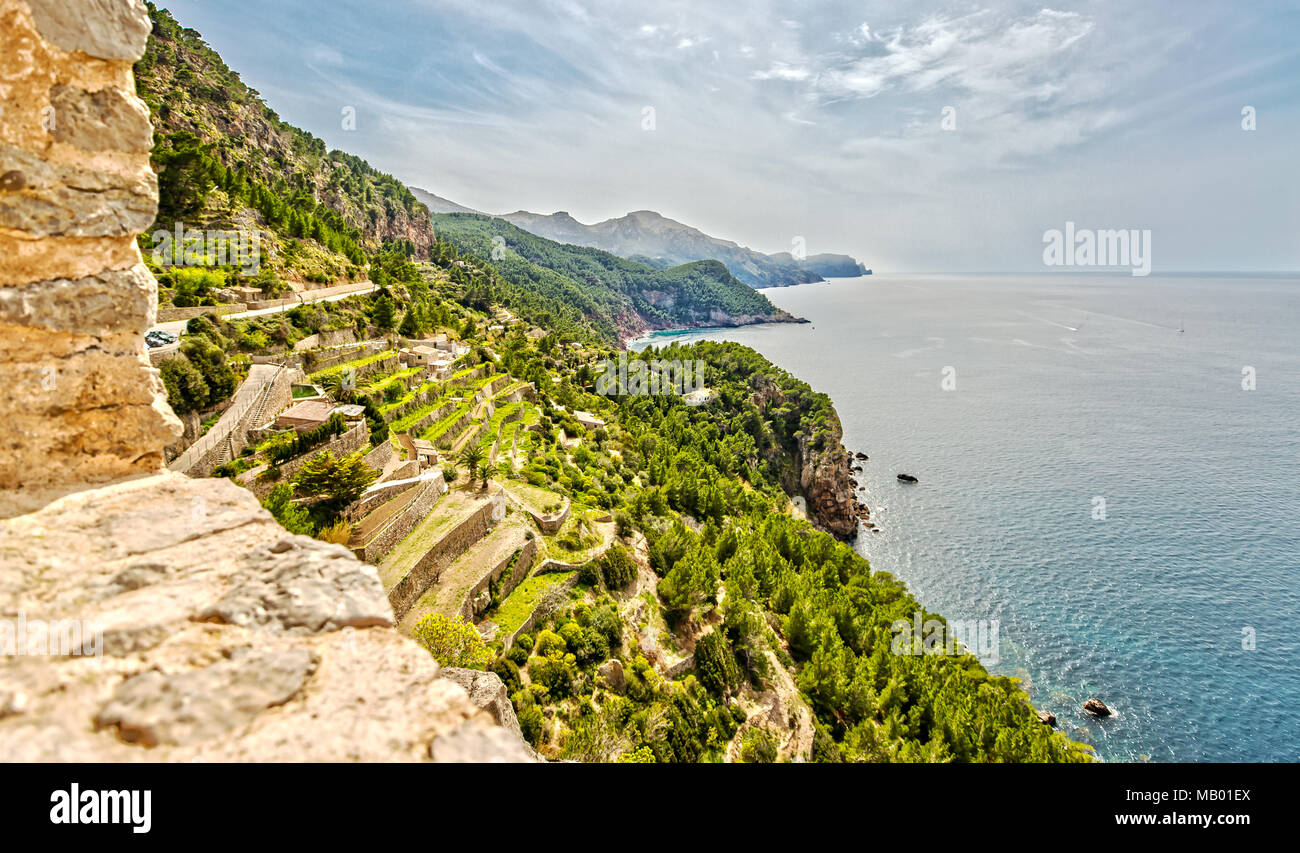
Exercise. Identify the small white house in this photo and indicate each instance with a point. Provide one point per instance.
(698, 397)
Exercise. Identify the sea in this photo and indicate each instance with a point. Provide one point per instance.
(1108, 474)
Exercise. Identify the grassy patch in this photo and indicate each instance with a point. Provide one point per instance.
(519, 604)
(356, 363)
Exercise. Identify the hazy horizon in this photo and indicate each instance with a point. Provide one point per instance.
(941, 137)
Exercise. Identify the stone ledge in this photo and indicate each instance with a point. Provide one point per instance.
(219, 636)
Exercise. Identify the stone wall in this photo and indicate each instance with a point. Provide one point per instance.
(407, 469)
(170, 315)
(317, 361)
(311, 295)
(381, 494)
(401, 526)
(455, 542)
(430, 419)
(83, 404)
(477, 599)
(228, 437)
(380, 455)
(374, 368)
(531, 622)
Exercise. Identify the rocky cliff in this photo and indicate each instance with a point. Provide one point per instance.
(826, 482)
(826, 264)
(190, 90)
(819, 467)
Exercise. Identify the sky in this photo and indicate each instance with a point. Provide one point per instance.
(916, 136)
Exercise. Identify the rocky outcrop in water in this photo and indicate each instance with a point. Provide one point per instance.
(1097, 708)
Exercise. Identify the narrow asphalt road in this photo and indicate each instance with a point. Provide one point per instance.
(177, 327)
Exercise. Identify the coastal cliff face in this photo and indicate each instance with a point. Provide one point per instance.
(820, 467)
(825, 480)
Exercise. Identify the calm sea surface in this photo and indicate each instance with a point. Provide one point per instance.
(1096, 480)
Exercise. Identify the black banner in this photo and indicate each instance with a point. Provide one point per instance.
(140, 802)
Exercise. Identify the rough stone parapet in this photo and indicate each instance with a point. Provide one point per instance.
(76, 187)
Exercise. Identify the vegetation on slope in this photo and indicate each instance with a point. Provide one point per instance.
(708, 562)
(618, 296)
(227, 161)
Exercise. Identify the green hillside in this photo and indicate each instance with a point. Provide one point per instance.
(620, 297)
(226, 161)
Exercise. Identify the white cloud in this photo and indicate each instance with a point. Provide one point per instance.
(781, 71)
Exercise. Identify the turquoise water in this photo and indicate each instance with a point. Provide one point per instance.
(1068, 389)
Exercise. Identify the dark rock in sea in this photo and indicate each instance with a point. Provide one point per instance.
(906, 478)
(1096, 707)
(861, 455)
(857, 468)
(1047, 717)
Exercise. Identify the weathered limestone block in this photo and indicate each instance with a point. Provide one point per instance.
(189, 707)
(145, 565)
(23, 260)
(67, 200)
(83, 404)
(98, 305)
(487, 691)
(304, 587)
(107, 29)
(468, 745)
(107, 120)
(42, 456)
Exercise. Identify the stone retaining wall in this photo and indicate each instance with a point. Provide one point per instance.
(432, 418)
(452, 432)
(318, 361)
(384, 365)
(278, 398)
(455, 542)
(380, 456)
(171, 315)
(531, 621)
(401, 526)
(406, 470)
(309, 296)
(380, 494)
(478, 598)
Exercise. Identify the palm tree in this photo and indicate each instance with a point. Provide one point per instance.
(332, 384)
(470, 456)
(485, 472)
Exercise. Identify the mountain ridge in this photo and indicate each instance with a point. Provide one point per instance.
(622, 297)
(665, 242)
